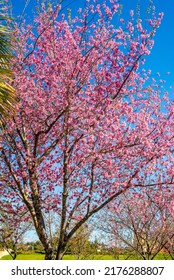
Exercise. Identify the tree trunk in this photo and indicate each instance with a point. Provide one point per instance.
(41, 229)
(61, 250)
(49, 255)
(14, 255)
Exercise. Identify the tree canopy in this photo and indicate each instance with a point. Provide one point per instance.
(90, 124)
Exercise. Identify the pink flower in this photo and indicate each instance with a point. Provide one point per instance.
(131, 13)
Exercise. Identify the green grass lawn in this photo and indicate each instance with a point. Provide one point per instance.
(33, 256)
(36, 256)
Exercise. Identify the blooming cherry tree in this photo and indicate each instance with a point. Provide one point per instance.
(142, 224)
(14, 223)
(89, 121)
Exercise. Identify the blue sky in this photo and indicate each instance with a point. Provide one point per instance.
(162, 55)
(161, 58)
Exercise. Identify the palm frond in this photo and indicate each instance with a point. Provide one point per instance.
(7, 92)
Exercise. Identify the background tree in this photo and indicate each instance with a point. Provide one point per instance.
(13, 227)
(169, 245)
(141, 224)
(80, 245)
(86, 128)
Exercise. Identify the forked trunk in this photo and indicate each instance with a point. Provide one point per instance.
(49, 255)
(60, 251)
(40, 226)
